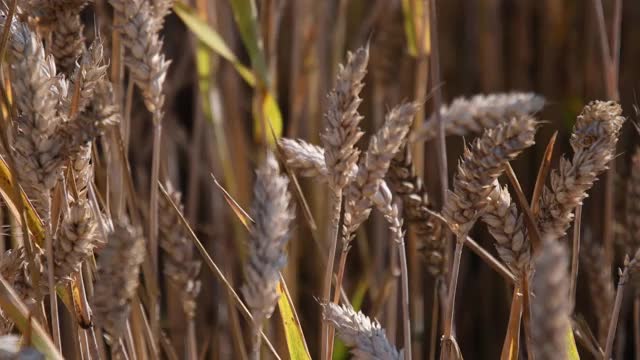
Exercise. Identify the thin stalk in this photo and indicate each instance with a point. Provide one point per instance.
(526, 313)
(341, 266)
(256, 341)
(53, 298)
(453, 284)
(575, 255)
(615, 313)
(636, 326)
(404, 273)
(434, 320)
(335, 201)
(154, 307)
(192, 346)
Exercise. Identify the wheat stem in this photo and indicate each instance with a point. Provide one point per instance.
(450, 306)
(615, 313)
(575, 255)
(335, 206)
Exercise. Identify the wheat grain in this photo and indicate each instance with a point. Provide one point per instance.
(365, 337)
(550, 307)
(594, 139)
(467, 116)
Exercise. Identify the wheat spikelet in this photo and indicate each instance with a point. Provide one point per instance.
(373, 167)
(342, 130)
(481, 165)
(75, 240)
(598, 271)
(181, 265)
(305, 158)
(594, 139)
(506, 225)
(632, 210)
(403, 181)
(273, 214)
(117, 278)
(467, 116)
(90, 70)
(144, 57)
(365, 337)
(550, 307)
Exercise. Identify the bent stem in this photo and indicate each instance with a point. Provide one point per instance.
(453, 284)
(327, 330)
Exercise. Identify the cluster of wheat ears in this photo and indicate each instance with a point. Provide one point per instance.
(102, 262)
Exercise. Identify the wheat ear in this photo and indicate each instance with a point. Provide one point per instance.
(117, 278)
(373, 168)
(365, 337)
(594, 139)
(67, 38)
(182, 267)
(550, 306)
(341, 133)
(467, 116)
(75, 240)
(404, 181)
(273, 213)
(506, 225)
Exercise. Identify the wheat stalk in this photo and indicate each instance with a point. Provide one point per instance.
(273, 213)
(365, 337)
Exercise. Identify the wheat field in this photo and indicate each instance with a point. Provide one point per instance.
(336, 179)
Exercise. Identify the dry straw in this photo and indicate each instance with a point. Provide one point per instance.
(365, 337)
(273, 213)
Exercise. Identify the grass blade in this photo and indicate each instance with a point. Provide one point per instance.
(293, 331)
(212, 39)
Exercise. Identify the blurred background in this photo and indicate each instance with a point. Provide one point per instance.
(213, 126)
